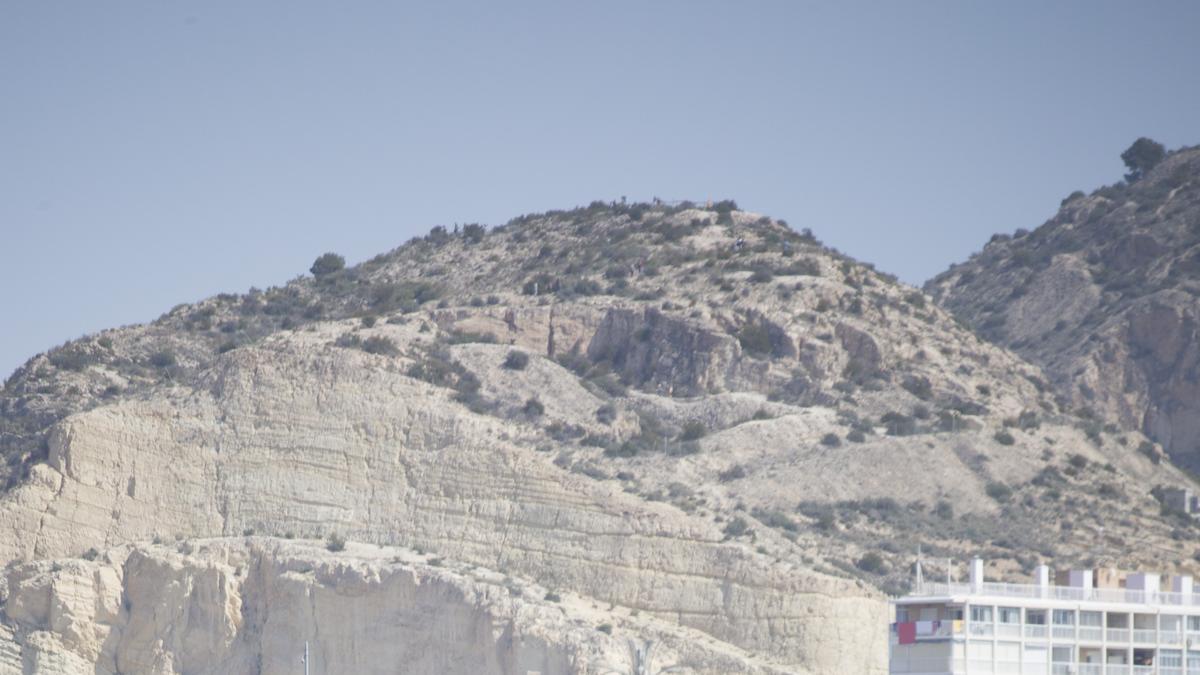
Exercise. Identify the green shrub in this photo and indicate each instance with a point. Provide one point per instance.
(761, 275)
(898, 424)
(737, 527)
(856, 436)
(533, 407)
(1004, 438)
(1141, 157)
(551, 596)
(72, 358)
(326, 264)
(999, 491)
(378, 344)
(606, 414)
(692, 431)
(474, 233)
(734, 472)
(919, 386)
(831, 440)
(335, 542)
(605, 628)
(775, 518)
(163, 359)
(516, 360)
(755, 339)
(871, 562)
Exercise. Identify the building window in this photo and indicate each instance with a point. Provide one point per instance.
(1091, 619)
(901, 614)
(981, 614)
(1010, 615)
(1194, 624)
(1064, 617)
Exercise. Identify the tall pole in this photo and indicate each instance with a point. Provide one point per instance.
(306, 657)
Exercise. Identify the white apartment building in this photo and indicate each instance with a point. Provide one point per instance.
(1095, 623)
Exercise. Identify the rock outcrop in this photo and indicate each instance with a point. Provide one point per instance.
(288, 442)
(1104, 297)
(250, 605)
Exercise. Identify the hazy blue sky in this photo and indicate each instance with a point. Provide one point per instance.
(153, 153)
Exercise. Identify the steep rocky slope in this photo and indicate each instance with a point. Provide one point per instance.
(1104, 297)
(695, 414)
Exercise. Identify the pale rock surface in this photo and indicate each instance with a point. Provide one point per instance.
(291, 440)
(248, 606)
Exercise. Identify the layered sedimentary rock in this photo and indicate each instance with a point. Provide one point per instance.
(289, 441)
(250, 606)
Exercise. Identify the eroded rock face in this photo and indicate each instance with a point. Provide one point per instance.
(670, 355)
(249, 606)
(1104, 297)
(294, 442)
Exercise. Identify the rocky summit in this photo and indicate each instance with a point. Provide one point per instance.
(558, 444)
(1103, 296)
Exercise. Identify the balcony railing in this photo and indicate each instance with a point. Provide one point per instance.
(1170, 637)
(1035, 631)
(1117, 634)
(979, 629)
(1091, 634)
(1116, 669)
(1143, 636)
(1008, 630)
(1074, 593)
(1143, 670)
(1089, 669)
(1063, 632)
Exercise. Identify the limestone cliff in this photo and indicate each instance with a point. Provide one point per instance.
(249, 606)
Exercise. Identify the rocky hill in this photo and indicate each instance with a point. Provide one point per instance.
(693, 417)
(1104, 297)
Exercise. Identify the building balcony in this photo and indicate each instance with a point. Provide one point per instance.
(930, 630)
(1072, 593)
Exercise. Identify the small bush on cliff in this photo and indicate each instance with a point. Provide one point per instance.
(516, 360)
(692, 431)
(335, 543)
(999, 491)
(732, 473)
(534, 407)
(755, 339)
(1141, 157)
(737, 527)
(871, 562)
(162, 359)
(327, 264)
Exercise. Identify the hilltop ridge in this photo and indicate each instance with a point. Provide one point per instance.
(692, 412)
